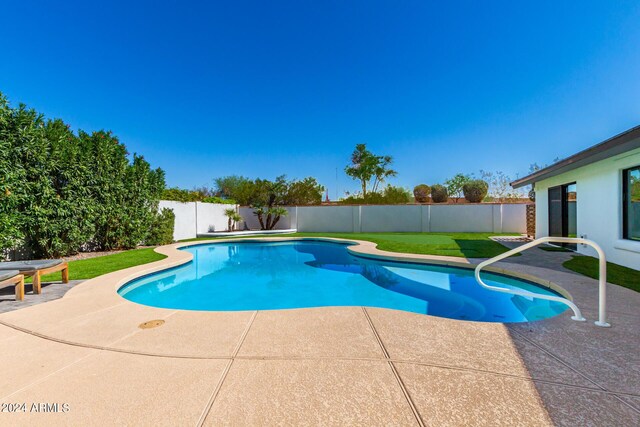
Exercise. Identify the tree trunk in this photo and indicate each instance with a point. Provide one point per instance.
(275, 221)
(261, 221)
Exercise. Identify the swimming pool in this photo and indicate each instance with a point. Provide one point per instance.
(236, 276)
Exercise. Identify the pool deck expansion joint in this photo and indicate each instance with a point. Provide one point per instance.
(404, 390)
(227, 368)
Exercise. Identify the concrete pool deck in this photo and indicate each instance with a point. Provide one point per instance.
(334, 365)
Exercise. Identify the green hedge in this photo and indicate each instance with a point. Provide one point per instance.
(161, 232)
(60, 191)
(197, 195)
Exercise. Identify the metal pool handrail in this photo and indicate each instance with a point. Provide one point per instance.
(602, 309)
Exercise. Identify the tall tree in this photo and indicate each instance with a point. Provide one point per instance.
(366, 166)
(268, 198)
(238, 188)
(303, 192)
(382, 171)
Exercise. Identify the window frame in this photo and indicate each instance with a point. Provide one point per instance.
(625, 202)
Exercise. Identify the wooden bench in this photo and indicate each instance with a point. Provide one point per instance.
(18, 282)
(37, 268)
(36, 274)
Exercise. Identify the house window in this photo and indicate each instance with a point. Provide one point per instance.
(631, 203)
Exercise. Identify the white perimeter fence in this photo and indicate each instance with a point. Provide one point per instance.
(195, 218)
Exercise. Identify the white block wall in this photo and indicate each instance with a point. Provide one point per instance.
(487, 218)
(185, 224)
(464, 218)
(391, 218)
(330, 219)
(193, 218)
(211, 217)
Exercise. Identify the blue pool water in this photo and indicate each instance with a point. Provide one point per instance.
(280, 275)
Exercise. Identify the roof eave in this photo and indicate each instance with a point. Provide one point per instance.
(615, 145)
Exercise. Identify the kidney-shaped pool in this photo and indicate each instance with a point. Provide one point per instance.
(234, 276)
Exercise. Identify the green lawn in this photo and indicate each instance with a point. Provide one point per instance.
(470, 245)
(550, 248)
(92, 267)
(617, 274)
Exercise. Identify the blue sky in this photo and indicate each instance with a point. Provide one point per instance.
(205, 89)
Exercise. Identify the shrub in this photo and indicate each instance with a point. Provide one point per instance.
(357, 199)
(203, 194)
(161, 231)
(396, 195)
(218, 200)
(421, 193)
(475, 191)
(389, 196)
(60, 191)
(439, 193)
(180, 195)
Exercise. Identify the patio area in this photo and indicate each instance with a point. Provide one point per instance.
(330, 366)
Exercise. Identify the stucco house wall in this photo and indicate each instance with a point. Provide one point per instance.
(598, 206)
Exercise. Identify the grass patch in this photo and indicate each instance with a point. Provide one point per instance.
(93, 267)
(554, 249)
(617, 274)
(469, 245)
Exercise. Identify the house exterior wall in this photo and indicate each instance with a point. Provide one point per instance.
(598, 207)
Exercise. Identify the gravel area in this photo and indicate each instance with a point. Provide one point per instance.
(87, 255)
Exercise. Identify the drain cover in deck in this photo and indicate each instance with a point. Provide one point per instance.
(151, 324)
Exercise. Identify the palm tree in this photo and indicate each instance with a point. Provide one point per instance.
(268, 217)
(236, 218)
(230, 213)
